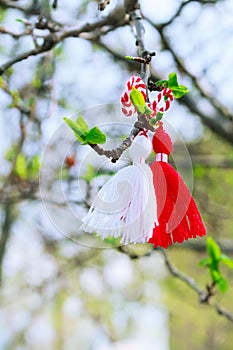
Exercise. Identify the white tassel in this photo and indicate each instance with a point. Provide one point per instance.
(126, 205)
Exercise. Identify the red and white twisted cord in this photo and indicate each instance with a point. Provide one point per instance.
(128, 109)
(164, 97)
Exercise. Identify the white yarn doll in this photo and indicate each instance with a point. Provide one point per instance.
(126, 205)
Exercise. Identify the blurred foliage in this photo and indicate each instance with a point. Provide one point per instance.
(213, 183)
(213, 263)
(55, 293)
(213, 192)
(188, 316)
(27, 168)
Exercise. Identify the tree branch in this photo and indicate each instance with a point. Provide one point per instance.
(180, 64)
(13, 34)
(102, 4)
(5, 234)
(205, 297)
(133, 9)
(186, 279)
(114, 154)
(60, 34)
(182, 6)
(27, 10)
(49, 43)
(213, 121)
(220, 127)
(131, 5)
(54, 4)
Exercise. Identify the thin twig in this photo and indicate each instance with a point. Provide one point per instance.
(13, 34)
(24, 110)
(54, 38)
(31, 10)
(175, 272)
(142, 122)
(205, 297)
(223, 312)
(54, 5)
(36, 51)
(213, 120)
(114, 154)
(180, 64)
(131, 5)
(133, 8)
(182, 6)
(5, 233)
(102, 4)
(139, 31)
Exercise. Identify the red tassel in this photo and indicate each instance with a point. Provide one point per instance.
(179, 217)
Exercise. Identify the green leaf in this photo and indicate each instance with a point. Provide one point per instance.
(179, 91)
(58, 51)
(138, 100)
(172, 80)
(79, 128)
(213, 249)
(199, 171)
(215, 257)
(159, 116)
(11, 153)
(204, 262)
(130, 58)
(21, 166)
(216, 275)
(34, 166)
(113, 241)
(153, 121)
(3, 13)
(163, 83)
(1, 82)
(31, 102)
(16, 100)
(95, 136)
(222, 284)
(148, 111)
(82, 124)
(24, 21)
(226, 260)
(8, 73)
(82, 132)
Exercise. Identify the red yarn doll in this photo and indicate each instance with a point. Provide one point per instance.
(178, 215)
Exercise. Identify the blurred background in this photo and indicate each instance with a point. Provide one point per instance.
(62, 289)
